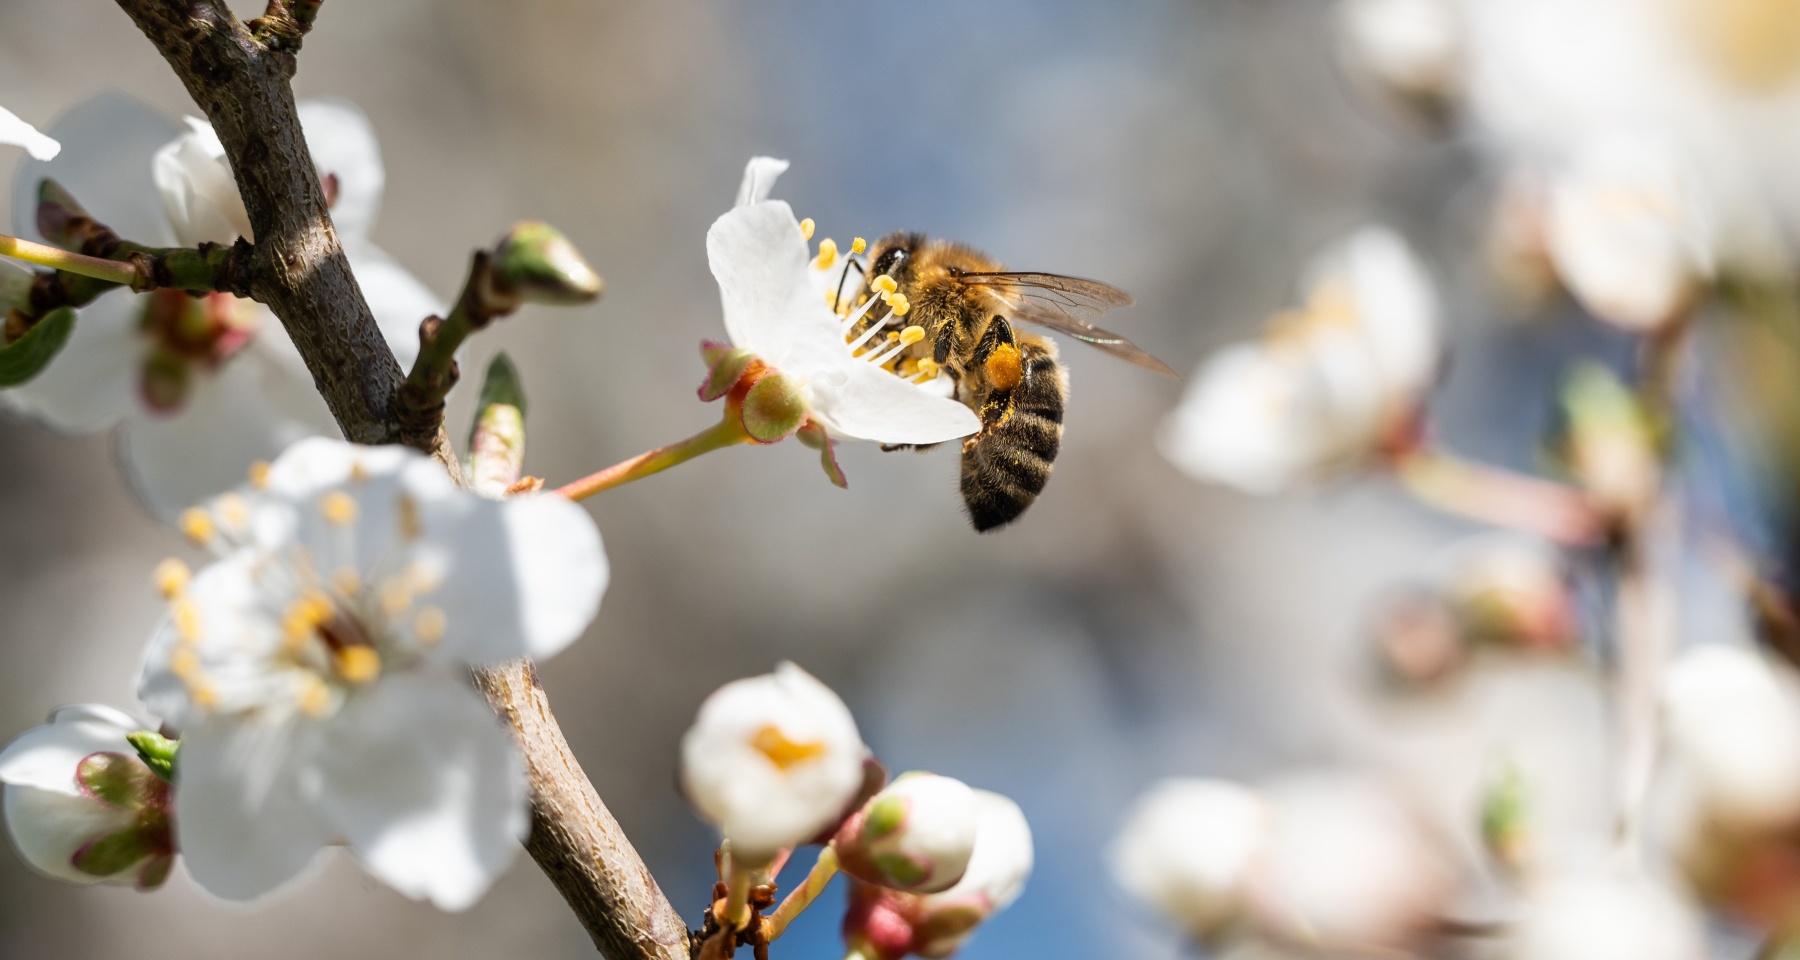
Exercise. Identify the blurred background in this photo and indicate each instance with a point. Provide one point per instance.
(1134, 625)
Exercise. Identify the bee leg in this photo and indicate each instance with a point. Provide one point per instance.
(1002, 366)
(914, 447)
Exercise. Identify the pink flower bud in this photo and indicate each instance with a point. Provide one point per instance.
(917, 835)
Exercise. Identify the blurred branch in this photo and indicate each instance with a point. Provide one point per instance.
(1501, 497)
(299, 270)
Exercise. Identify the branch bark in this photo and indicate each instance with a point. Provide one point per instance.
(299, 270)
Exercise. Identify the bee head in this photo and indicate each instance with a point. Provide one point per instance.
(892, 255)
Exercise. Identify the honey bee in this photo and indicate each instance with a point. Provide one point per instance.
(967, 307)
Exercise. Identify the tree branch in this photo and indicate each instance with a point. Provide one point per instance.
(299, 270)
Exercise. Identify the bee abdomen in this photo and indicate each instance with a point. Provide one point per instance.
(1005, 466)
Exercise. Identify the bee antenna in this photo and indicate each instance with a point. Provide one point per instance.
(838, 294)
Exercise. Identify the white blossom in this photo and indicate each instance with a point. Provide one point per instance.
(775, 291)
(1187, 848)
(1327, 385)
(1733, 719)
(996, 876)
(317, 670)
(916, 834)
(18, 133)
(772, 761)
(1626, 233)
(1413, 48)
(200, 388)
(81, 806)
(1601, 918)
(1346, 866)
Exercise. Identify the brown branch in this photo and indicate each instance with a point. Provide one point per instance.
(299, 270)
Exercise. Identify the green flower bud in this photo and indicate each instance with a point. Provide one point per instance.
(536, 263)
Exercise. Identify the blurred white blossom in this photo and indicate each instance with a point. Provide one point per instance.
(1411, 49)
(18, 133)
(1604, 918)
(1187, 848)
(1347, 866)
(772, 761)
(778, 305)
(1733, 719)
(81, 806)
(916, 834)
(1328, 385)
(200, 387)
(317, 670)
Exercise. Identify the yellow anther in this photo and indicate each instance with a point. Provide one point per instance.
(197, 526)
(315, 699)
(396, 595)
(828, 253)
(411, 527)
(346, 581)
(338, 508)
(771, 742)
(303, 618)
(884, 285)
(186, 618)
(358, 664)
(184, 663)
(859, 245)
(806, 228)
(429, 625)
(233, 512)
(259, 474)
(927, 369)
(358, 474)
(912, 335)
(171, 578)
(425, 577)
(902, 307)
(202, 693)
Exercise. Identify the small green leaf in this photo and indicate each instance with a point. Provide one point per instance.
(27, 356)
(502, 385)
(156, 750)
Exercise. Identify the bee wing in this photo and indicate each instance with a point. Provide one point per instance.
(1068, 306)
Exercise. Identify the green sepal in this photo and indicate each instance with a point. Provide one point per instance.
(724, 367)
(157, 751)
(884, 817)
(156, 871)
(502, 385)
(27, 356)
(114, 779)
(775, 407)
(815, 437)
(905, 871)
(113, 853)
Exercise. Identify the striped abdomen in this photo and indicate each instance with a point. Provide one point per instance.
(1005, 466)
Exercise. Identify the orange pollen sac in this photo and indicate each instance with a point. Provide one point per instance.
(784, 753)
(1005, 368)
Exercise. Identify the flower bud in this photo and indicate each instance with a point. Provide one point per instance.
(1733, 720)
(1187, 848)
(1347, 868)
(82, 806)
(1417, 641)
(1607, 442)
(1512, 591)
(772, 761)
(1412, 51)
(1595, 918)
(1505, 821)
(916, 835)
(890, 924)
(536, 263)
(775, 407)
(497, 442)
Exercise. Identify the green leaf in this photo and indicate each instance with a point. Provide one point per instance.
(156, 750)
(27, 356)
(502, 385)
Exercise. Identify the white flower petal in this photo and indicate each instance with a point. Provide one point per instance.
(872, 404)
(234, 641)
(45, 757)
(205, 448)
(343, 145)
(48, 827)
(1396, 304)
(1187, 848)
(525, 580)
(199, 194)
(108, 141)
(1003, 856)
(397, 298)
(92, 383)
(18, 133)
(759, 179)
(244, 818)
(426, 786)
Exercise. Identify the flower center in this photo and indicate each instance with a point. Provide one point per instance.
(771, 742)
(881, 340)
(186, 333)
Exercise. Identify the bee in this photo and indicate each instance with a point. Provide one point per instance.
(969, 309)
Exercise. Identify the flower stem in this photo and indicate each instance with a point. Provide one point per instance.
(823, 870)
(112, 271)
(725, 433)
(738, 878)
(1501, 497)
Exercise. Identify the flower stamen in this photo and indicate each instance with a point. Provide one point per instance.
(897, 343)
(338, 508)
(828, 253)
(771, 742)
(358, 664)
(171, 578)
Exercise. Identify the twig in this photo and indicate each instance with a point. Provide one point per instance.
(1501, 497)
(300, 272)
